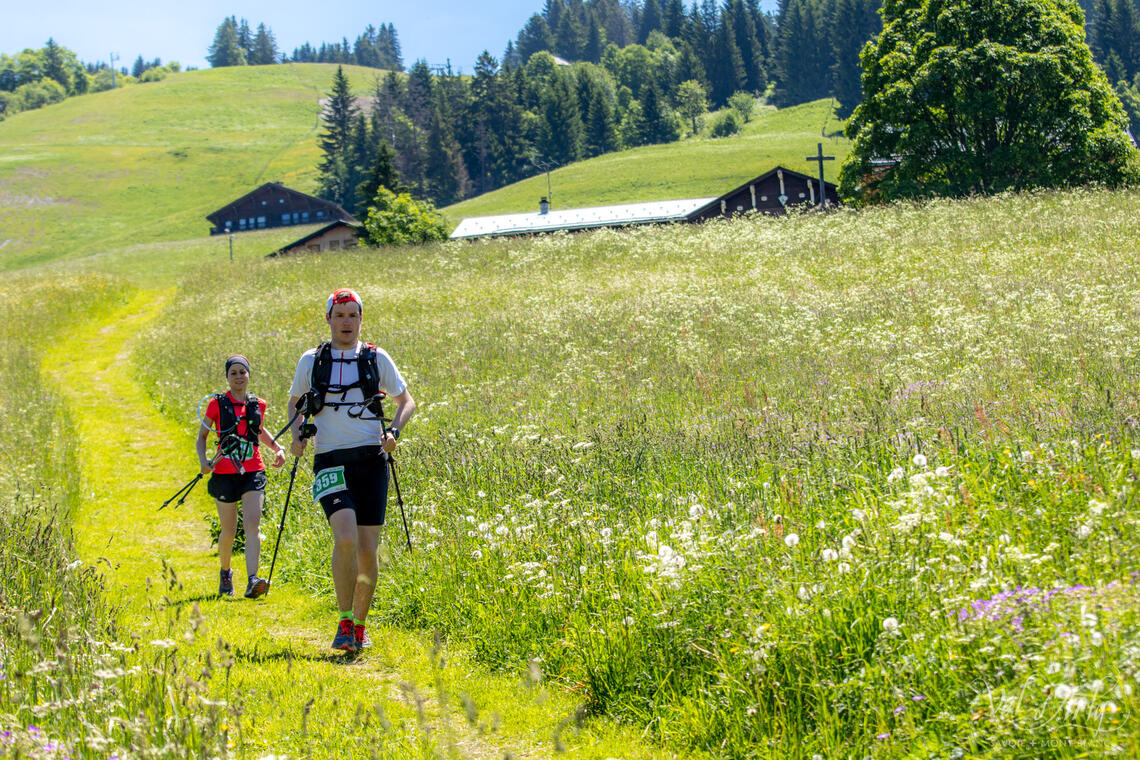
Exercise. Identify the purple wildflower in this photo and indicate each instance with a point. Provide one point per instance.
(884, 735)
(899, 710)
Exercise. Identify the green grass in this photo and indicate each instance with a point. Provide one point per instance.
(146, 163)
(692, 168)
(680, 466)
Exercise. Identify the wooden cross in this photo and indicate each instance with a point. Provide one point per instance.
(821, 158)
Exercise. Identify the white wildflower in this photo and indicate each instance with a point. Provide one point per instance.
(829, 555)
(1064, 691)
(849, 542)
(919, 460)
(942, 472)
(891, 626)
(791, 540)
(896, 474)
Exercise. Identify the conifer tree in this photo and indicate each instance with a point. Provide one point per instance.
(803, 53)
(225, 50)
(595, 41)
(336, 156)
(855, 23)
(264, 47)
(382, 174)
(534, 37)
(651, 20)
(245, 39)
(55, 66)
(560, 128)
(726, 68)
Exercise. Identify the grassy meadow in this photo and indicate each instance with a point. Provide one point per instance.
(146, 163)
(854, 485)
(861, 484)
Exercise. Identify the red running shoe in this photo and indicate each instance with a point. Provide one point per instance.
(361, 636)
(345, 636)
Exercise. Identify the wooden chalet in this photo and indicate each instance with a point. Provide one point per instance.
(774, 192)
(274, 205)
(332, 237)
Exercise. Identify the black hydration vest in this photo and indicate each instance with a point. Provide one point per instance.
(367, 378)
(227, 417)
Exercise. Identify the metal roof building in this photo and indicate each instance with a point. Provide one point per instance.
(579, 218)
(773, 192)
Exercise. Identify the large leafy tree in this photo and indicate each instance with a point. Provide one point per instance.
(968, 97)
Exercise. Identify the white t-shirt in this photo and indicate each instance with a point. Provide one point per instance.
(335, 429)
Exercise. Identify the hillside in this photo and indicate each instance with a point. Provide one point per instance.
(692, 168)
(147, 163)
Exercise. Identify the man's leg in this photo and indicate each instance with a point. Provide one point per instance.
(367, 569)
(343, 524)
(251, 520)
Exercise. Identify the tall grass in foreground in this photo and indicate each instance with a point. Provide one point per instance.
(69, 685)
(859, 484)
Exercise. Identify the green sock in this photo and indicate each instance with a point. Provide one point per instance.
(346, 615)
(357, 621)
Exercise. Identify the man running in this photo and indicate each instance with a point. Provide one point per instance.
(350, 470)
(239, 474)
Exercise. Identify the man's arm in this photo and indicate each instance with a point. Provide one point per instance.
(297, 447)
(405, 408)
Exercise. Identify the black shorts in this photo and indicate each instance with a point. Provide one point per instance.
(229, 488)
(355, 479)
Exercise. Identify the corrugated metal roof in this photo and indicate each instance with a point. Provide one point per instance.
(579, 218)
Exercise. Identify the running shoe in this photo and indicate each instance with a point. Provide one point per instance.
(361, 636)
(226, 583)
(345, 636)
(257, 587)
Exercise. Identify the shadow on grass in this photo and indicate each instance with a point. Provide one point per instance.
(258, 656)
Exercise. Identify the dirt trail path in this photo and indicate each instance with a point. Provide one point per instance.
(133, 459)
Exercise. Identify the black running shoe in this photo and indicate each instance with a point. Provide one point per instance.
(345, 636)
(256, 587)
(226, 583)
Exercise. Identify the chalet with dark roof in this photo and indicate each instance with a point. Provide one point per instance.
(274, 205)
(335, 236)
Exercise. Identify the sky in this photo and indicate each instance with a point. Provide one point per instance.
(458, 30)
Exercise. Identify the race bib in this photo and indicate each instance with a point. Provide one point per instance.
(327, 482)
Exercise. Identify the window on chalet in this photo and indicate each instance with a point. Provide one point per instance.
(261, 221)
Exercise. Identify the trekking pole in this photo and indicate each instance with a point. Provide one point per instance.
(185, 490)
(391, 460)
(306, 431)
(281, 527)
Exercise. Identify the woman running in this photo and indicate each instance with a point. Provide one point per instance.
(238, 472)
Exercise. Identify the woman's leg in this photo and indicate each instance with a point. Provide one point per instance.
(251, 502)
(227, 520)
